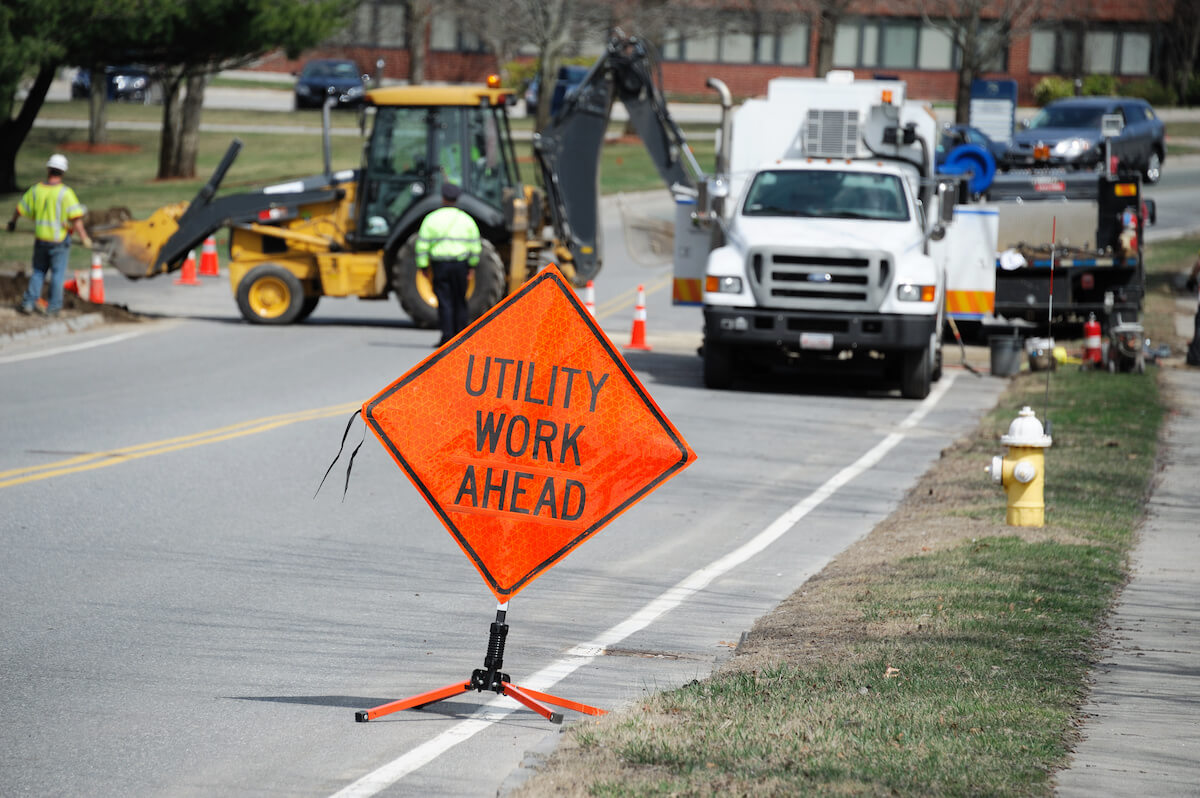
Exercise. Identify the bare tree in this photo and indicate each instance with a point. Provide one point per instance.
(826, 14)
(1182, 47)
(981, 31)
(416, 29)
(501, 25)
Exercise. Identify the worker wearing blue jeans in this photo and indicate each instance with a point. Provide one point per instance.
(55, 211)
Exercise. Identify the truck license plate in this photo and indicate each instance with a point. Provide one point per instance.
(816, 341)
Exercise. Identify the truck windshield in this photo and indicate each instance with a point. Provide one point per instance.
(827, 195)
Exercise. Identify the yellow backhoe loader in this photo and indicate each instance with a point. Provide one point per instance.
(351, 233)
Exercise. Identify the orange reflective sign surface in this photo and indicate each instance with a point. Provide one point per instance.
(527, 433)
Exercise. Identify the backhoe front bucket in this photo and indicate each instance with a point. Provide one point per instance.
(133, 246)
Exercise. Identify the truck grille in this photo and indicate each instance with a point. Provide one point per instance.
(831, 133)
(847, 281)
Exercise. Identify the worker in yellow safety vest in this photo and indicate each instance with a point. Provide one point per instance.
(448, 241)
(55, 212)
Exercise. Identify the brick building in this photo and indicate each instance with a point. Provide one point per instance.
(746, 47)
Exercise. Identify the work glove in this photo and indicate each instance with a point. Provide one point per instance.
(12, 225)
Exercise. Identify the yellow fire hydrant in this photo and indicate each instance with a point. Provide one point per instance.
(1022, 472)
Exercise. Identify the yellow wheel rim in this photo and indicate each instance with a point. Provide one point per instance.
(269, 297)
(425, 285)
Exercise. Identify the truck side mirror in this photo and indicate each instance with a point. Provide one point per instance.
(947, 195)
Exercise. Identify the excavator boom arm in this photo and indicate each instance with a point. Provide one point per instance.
(159, 244)
(568, 150)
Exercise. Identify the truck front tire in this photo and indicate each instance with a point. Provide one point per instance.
(916, 373)
(270, 294)
(718, 366)
(414, 287)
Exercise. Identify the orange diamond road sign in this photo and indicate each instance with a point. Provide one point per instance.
(527, 433)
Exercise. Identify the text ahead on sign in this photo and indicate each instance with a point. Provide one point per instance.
(527, 433)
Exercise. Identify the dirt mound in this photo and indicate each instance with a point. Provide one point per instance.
(12, 288)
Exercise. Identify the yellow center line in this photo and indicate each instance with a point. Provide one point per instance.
(623, 300)
(88, 462)
(94, 460)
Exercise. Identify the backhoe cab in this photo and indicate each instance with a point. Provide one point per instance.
(352, 233)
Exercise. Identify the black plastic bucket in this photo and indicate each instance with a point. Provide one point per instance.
(1006, 355)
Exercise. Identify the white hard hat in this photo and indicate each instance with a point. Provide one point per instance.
(57, 161)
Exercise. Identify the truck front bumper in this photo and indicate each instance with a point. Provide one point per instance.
(814, 332)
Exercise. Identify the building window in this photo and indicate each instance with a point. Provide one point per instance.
(703, 47)
(1135, 53)
(374, 23)
(1042, 46)
(899, 44)
(845, 46)
(1103, 52)
(767, 54)
(389, 24)
(737, 48)
(732, 46)
(447, 33)
(1099, 49)
(937, 49)
(793, 45)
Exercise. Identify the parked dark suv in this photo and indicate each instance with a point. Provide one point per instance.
(323, 77)
(1069, 133)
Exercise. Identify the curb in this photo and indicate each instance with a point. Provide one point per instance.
(73, 324)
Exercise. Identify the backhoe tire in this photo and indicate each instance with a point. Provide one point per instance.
(270, 294)
(414, 287)
(916, 373)
(308, 306)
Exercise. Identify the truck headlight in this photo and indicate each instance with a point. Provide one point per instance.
(1071, 148)
(908, 292)
(723, 285)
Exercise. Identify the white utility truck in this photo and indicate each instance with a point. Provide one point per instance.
(837, 240)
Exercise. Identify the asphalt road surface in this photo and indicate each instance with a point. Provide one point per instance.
(181, 617)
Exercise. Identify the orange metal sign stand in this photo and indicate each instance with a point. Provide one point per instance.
(526, 434)
(490, 677)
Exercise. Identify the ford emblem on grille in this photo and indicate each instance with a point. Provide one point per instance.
(820, 278)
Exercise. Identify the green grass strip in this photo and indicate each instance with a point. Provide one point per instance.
(967, 664)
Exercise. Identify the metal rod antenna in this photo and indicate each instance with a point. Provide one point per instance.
(1050, 317)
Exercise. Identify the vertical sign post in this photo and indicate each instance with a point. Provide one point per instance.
(526, 435)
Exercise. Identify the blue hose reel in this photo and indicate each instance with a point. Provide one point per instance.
(974, 160)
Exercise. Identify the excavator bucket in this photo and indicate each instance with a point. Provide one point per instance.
(133, 246)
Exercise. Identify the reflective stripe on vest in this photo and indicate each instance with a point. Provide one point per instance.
(51, 208)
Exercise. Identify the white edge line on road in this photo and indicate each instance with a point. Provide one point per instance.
(387, 775)
(58, 350)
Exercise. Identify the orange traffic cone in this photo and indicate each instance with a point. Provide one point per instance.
(637, 338)
(187, 275)
(96, 287)
(72, 286)
(208, 258)
(589, 298)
